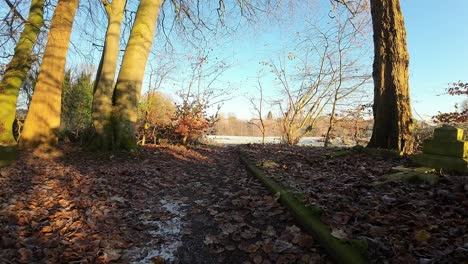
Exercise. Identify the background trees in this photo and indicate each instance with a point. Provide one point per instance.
(460, 115)
(324, 68)
(198, 94)
(258, 108)
(156, 113)
(77, 97)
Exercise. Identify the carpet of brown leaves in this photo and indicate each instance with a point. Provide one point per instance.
(402, 222)
(163, 204)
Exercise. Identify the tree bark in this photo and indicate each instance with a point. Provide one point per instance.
(393, 125)
(43, 119)
(16, 71)
(104, 85)
(128, 86)
(331, 121)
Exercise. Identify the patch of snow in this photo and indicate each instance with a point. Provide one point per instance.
(166, 252)
(173, 208)
(236, 140)
(167, 228)
(169, 232)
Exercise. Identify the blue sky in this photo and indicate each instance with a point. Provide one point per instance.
(437, 36)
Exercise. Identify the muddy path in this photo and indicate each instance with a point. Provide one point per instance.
(160, 205)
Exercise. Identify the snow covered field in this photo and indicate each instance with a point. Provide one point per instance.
(236, 140)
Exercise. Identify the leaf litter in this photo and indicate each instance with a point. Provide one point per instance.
(164, 204)
(401, 222)
(170, 204)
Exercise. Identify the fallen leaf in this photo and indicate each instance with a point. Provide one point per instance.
(422, 236)
(338, 233)
(281, 245)
(210, 239)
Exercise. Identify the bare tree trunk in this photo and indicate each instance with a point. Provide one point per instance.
(331, 122)
(128, 86)
(16, 71)
(43, 119)
(393, 125)
(104, 85)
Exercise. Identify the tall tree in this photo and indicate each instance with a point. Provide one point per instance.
(393, 125)
(104, 85)
(17, 70)
(130, 78)
(43, 119)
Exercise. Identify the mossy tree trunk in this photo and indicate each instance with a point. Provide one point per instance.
(393, 126)
(16, 71)
(104, 85)
(43, 119)
(130, 78)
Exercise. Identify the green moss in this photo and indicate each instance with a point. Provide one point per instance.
(412, 176)
(268, 164)
(418, 169)
(341, 251)
(387, 153)
(8, 155)
(456, 149)
(448, 133)
(458, 165)
(337, 154)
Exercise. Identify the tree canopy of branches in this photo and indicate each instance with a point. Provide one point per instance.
(327, 70)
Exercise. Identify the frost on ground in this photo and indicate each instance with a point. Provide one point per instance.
(166, 233)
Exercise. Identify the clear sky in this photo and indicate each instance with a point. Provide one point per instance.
(437, 35)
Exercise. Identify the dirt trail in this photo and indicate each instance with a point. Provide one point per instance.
(162, 204)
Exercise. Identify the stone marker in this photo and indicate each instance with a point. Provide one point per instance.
(445, 150)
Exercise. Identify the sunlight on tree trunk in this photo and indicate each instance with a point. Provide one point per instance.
(128, 86)
(43, 119)
(17, 70)
(393, 125)
(104, 85)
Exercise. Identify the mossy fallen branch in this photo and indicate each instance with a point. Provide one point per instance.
(268, 164)
(338, 154)
(8, 155)
(309, 217)
(386, 153)
(411, 175)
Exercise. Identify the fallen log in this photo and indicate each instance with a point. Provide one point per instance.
(341, 251)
